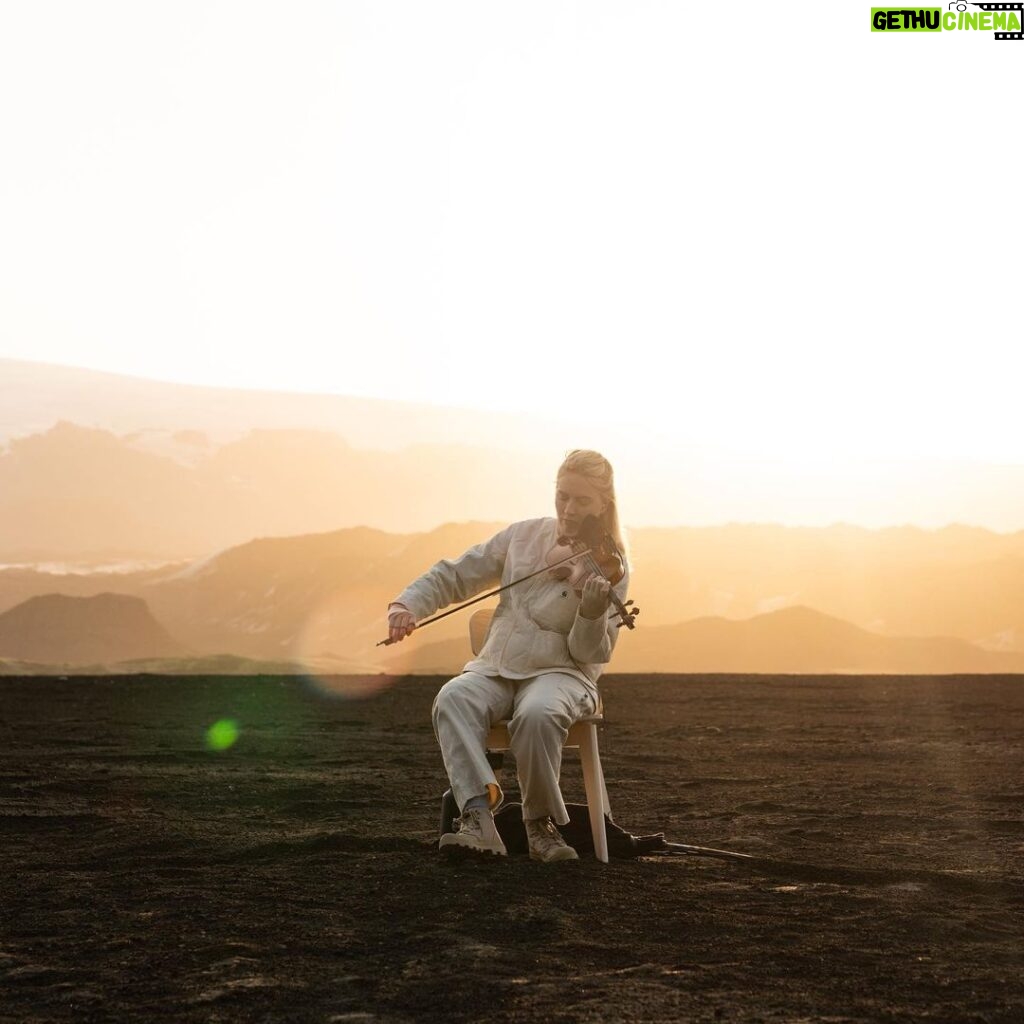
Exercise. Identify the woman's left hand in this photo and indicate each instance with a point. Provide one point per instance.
(596, 597)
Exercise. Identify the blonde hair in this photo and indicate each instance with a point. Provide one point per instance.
(597, 471)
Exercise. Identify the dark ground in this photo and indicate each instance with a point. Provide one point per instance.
(294, 876)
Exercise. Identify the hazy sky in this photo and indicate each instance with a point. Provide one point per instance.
(757, 224)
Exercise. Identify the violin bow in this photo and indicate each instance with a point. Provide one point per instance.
(491, 593)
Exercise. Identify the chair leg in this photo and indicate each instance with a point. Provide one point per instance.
(604, 790)
(597, 795)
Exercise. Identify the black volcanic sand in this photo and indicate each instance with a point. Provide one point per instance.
(294, 876)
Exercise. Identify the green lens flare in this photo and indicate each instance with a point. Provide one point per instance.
(222, 734)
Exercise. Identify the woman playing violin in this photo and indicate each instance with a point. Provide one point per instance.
(548, 642)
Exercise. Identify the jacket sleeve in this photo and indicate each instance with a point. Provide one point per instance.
(591, 641)
(453, 580)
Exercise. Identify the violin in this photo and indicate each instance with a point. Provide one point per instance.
(578, 571)
(600, 556)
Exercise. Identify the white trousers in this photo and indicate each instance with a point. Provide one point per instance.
(540, 711)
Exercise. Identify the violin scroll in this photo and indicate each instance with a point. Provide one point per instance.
(628, 614)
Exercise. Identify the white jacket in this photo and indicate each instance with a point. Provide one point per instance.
(537, 626)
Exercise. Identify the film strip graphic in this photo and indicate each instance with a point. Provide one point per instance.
(1019, 8)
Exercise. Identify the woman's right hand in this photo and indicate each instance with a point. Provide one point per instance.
(400, 622)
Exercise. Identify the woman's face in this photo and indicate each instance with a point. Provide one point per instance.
(575, 499)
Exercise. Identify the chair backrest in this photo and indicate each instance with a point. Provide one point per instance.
(479, 623)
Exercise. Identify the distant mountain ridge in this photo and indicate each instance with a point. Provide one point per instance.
(76, 493)
(793, 641)
(261, 501)
(319, 600)
(329, 590)
(39, 395)
(803, 640)
(58, 629)
(161, 470)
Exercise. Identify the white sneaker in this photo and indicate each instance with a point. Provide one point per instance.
(546, 842)
(476, 834)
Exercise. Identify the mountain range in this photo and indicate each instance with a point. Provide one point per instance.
(97, 467)
(962, 582)
(80, 494)
(795, 640)
(80, 630)
(319, 600)
(242, 519)
(172, 417)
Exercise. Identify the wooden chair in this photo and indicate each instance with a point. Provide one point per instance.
(582, 734)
